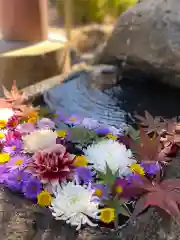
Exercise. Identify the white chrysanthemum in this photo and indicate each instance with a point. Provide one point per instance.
(112, 153)
(74, 204)
(39, 140)
(6, 113)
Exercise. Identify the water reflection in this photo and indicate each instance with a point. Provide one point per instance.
(117, 104)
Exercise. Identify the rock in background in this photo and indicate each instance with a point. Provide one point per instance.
(146, 39)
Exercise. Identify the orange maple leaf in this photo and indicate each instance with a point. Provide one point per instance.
(14, 96)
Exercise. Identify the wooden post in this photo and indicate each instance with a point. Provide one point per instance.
(25, 20)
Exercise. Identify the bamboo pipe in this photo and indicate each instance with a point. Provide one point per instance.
(68, 29)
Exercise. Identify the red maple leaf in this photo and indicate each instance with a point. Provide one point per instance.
(151, 124)
(165, 195)
(149, 150)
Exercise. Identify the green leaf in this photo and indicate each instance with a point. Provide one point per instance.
(133, 133)
(122, 200)
(108, 177)
(45, 112)
(113, 203)
(82, 135)
(124, 210)
(119, 206)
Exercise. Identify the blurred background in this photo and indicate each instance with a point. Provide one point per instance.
(38, 36)
(89, 11)
(92, 20)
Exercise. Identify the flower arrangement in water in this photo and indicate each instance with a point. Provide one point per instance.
(87, 173)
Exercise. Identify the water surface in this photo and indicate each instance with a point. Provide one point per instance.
(116, 105)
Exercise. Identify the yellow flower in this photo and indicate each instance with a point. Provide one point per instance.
(3, 123)
(80, 161)
(61, 133)
(112, 137)
(73, 119)
(119, 189)
(13, 147)
(19, 162)
(32, 120)
(14, 123)
(107, 215)
(2, 135)
(98, 192)
(4, 157)
(33, 114)
(44, 198)
(56, 115)
(136, 168)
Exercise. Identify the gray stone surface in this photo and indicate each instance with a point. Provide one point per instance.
(147, 39)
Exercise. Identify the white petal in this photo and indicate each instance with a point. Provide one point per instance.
(109, 152)
(73, 204)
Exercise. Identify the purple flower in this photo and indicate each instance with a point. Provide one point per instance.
(45, 123)
(16, 179)
(2, 169)
(73, 120)
(120, 185)
(103, 131)
(151, 168)
(115, 131)
(14, 146)
(18, 161)
(90, 123)
(61, 117)
(26, 128)
(101, 191)
(121, 182)
(133, 177)
(129, 190)
(84, 174)
(32, 188)
(3, 173)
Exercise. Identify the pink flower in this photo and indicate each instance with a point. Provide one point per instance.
(12, 135)
(45, 123)
(53, 164)
(13, 122)
(26, 128)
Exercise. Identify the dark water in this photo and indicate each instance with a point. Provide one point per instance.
(117, 105)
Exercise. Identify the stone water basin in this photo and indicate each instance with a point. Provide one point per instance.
(115, 106)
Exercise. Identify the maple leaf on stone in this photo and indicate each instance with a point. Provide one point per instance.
(14, 96)
(151, 124)
(164, 194)
(4, 103)
(171, 125)
(149, 150)
(172, 134)
(24, 111)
